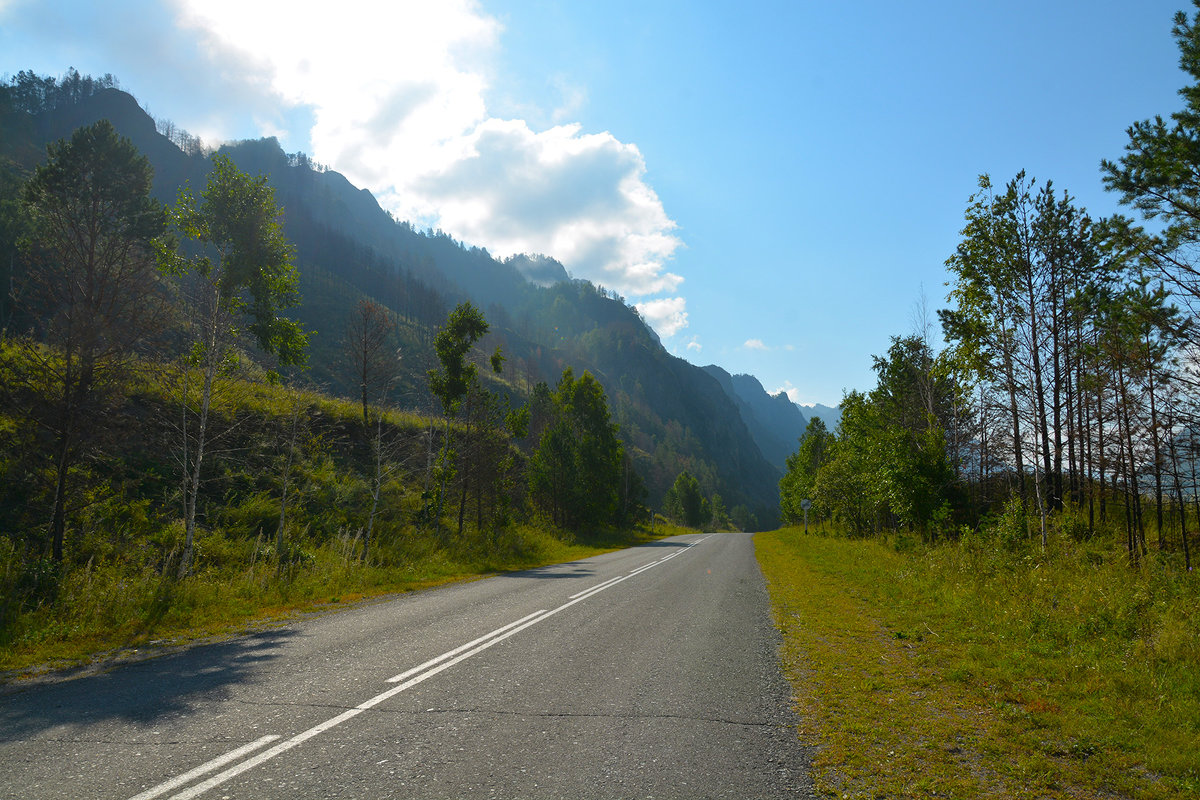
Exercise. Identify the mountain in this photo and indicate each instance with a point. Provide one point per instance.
(673, 415)
(774, 421)
(539, 270)
(832, 417)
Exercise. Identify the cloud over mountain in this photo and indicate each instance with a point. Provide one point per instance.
(666, 315)
(397, 100)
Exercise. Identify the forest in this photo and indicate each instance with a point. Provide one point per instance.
(1066, 397)
(164, 445)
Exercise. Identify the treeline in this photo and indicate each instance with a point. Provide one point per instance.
(154, 412)
(686, 504)
(1066, 397)
(32, 94)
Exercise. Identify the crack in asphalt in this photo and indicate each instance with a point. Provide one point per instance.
(588, 715)
(538, 714)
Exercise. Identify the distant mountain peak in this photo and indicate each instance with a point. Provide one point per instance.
(831, 416)
(775, 426)
(538, 269)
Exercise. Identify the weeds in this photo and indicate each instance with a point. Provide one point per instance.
(989, 667)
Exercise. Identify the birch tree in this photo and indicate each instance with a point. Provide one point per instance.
(243, 274)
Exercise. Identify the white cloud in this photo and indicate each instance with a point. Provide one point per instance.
(578, 197)
(755, 344)
(667, 315)
(396, 92)
(694, 344)
(572, 99)
(792, 392)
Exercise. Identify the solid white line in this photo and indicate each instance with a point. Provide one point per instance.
(219, 761)
(300, 738)
(460, 648)
(642, 568)
(597, 586)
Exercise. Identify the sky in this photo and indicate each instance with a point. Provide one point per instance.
(775, 185)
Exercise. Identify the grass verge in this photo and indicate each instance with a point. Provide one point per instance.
(100, 615)
(969, 671)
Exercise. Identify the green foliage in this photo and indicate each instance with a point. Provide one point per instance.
(451, 382)
(800, 481)
(577, 472)
(91, 287)
(686, 503)
(1157, 174)
(888, 465)
(90, 201)
(246, 258)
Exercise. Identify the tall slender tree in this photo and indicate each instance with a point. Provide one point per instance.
(93, 256)
(370, 358)
(243, 272)
(452, 381)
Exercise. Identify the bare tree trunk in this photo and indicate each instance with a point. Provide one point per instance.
(1187, 558)
(212, 360)
(376, 484)
(1130, 537)
(1158, 488)
(287, 479)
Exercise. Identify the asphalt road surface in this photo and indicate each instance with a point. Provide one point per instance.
(646, 673)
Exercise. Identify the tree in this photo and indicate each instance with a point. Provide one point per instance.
(93, 282)
(889, 466)
(1157, 176)
(1027, 275)
(848, 483)
(14, 229)
(451, 383)
(578, 471)
(244, 271)
(685, 501)
(487, 464)
(366, 346)
(800, 480)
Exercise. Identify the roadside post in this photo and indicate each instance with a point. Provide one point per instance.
(806, 504)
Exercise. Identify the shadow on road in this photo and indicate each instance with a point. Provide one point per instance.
(144, 693)
(666, 543)
(573, 569)
(582, 569)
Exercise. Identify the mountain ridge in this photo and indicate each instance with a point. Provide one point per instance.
(673, 414)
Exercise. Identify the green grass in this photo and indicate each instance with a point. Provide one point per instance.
(99, 612)
(967, 670)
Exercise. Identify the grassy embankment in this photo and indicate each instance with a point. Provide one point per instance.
(117, 589)
(102, 613)
(973, 670)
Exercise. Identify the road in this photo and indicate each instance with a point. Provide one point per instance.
(650, 672)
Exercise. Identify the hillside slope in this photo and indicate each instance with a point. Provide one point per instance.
(673, 415)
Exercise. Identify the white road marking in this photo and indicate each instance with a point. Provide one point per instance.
(457, 650)
(597, 586)
(219, 761)
(419, 674)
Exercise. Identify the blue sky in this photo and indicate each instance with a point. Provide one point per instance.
(776, 184)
